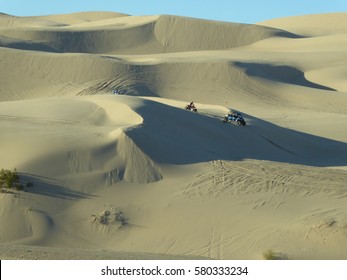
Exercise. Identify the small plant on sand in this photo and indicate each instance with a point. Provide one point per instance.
(121, 219)
(9, 179)
(112, 216)
(271, 255)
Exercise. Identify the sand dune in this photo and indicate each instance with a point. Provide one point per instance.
(133, 175)
(128, 34)
(311, 25)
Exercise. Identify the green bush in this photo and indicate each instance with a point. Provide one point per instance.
(271, 255)
(9, 179)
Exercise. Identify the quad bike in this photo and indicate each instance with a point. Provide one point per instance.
(190, 107)
(234, 118)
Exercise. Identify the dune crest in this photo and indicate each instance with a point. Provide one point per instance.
(311, 25)
(129, 34)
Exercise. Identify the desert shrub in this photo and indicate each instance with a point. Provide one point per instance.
(105, 217)
(112, 216)
(121, 219)
(271, 255)
(9, 179)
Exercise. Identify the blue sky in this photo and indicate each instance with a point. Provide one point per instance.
(244, 11)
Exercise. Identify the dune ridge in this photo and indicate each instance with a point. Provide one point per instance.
(92, 117)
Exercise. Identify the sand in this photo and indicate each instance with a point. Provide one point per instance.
(92, 117)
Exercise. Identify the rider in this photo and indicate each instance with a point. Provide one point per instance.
(191, 105)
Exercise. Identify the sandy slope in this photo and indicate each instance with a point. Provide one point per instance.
(134, 175)
(311, 25)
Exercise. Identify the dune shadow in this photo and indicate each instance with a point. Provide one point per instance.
(26, 45)
(48, 187)
(278, 73)
(171, 135)
(287, 34)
